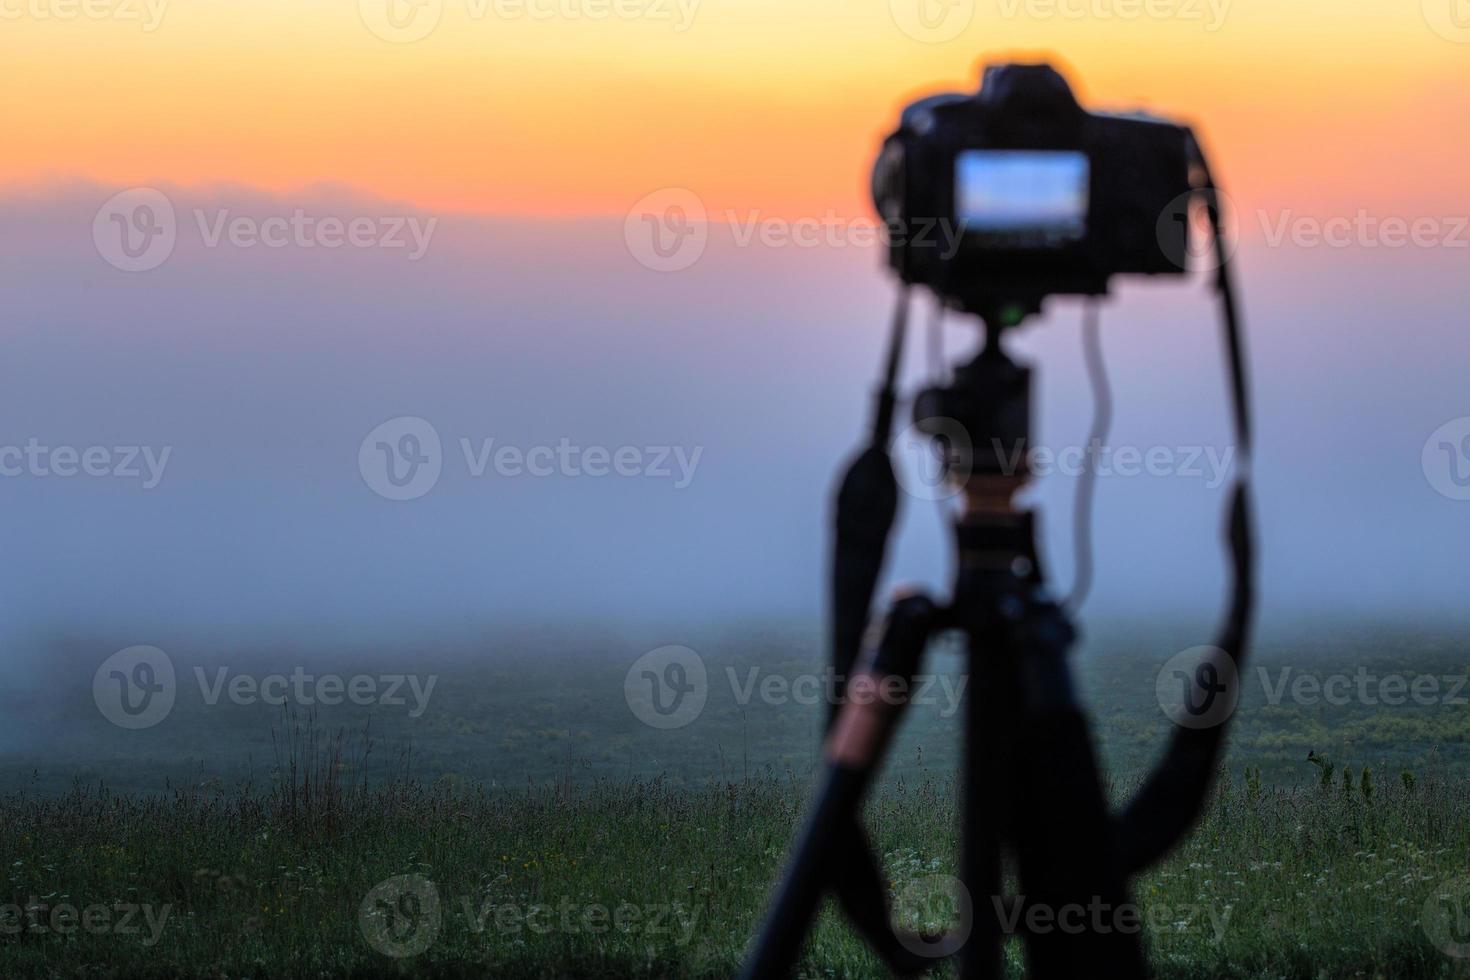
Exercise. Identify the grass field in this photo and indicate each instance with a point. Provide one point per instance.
(645, 879)
(526, 825)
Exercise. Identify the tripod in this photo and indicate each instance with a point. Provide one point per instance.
(1031, 784)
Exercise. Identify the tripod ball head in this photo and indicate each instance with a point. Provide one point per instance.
(981, 422)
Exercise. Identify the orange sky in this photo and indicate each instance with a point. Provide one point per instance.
(770, 105)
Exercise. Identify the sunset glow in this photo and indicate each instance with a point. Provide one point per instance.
(754, 105)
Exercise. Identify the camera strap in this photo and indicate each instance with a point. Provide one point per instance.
(1174, 794)
(865, 507)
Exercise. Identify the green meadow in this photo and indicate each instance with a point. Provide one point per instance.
(526, 824)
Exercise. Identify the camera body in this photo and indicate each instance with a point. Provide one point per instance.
(999, 199)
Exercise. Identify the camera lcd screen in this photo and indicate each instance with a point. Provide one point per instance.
(1029, 197)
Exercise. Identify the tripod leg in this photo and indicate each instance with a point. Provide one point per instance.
(853, 750)
(1076, 899)
(1031, 781)
(989, 732)
(856, 877)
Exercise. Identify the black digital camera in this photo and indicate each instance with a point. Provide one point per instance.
(999, 199)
